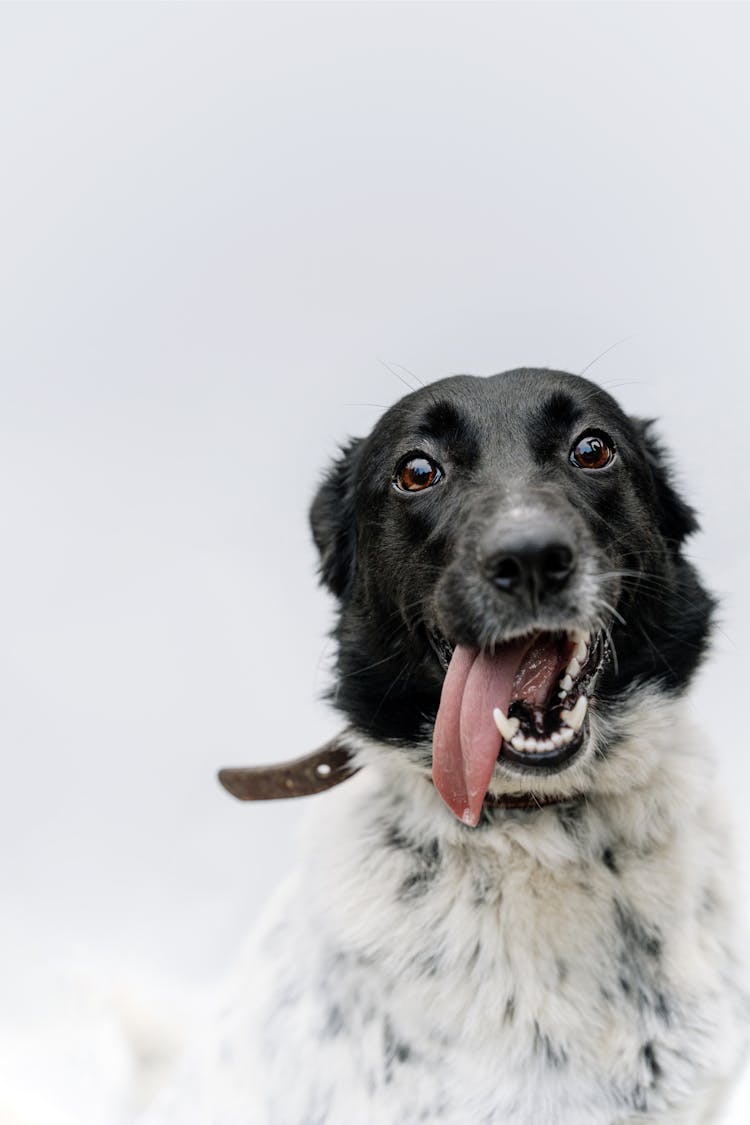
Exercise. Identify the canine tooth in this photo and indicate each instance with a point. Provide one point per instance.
(566, 683)
(507, 727)
(573, 668)
(581, 652)
(518, 743)
(575, 718)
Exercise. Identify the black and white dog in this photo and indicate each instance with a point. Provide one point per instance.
(521, 910)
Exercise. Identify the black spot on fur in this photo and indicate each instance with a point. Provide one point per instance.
(427, 964)
(335, 1022)
(484, 889)
(395, 1051)
(649, 1057)
(637, 1099)
(554, 1055)
(427, 862)
(570, 815)
(609, 861)
(417, 883)
(637, 937)
(639, 961)
(509, 1014)
(662, 1008)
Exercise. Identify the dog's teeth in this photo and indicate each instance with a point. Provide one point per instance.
(508, 727)
(566, 684)
(581, 652)
(573, 668)
(566, 735)
(532, 745)
(561, 694)
(574, 718)
(556, 738)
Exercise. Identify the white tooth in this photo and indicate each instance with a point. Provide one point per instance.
(561, 694)
(566, 734)
(575, 718)
(566, 683)
(507, 727)
(581, 652)
(548, 744)
(556, 738)
(518, 743)
(573, 668)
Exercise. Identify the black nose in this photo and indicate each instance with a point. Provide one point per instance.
(531, 565)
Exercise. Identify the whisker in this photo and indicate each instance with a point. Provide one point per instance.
(613, 611)
(408, 372)
(606, 351)
(401, 379)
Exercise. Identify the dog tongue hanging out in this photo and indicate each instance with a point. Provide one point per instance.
(486, 697)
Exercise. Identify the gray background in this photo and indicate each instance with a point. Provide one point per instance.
(218, 226)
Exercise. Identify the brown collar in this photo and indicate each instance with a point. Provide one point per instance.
(329, 766)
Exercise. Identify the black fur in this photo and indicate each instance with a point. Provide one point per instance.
(405, 565)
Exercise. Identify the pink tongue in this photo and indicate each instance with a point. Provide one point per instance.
(466, 741)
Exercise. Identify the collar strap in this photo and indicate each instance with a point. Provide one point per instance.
(329, 766)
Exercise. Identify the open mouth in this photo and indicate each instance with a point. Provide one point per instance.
(525, 703)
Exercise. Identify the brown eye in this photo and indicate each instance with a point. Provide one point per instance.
(416, 472)
(592, 451)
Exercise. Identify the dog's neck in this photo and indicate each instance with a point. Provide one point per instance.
(648, 769)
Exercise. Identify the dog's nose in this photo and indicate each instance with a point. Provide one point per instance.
(531, 564)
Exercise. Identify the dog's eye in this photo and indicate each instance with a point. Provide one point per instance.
(592, 451)
(416, 472)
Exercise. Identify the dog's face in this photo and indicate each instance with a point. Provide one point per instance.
(507, 556)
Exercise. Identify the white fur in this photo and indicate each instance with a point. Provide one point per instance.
(575, 965)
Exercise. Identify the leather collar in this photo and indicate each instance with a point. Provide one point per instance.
(329, 766)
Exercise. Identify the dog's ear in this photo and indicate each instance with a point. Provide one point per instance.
(677, 519)
(332, 520)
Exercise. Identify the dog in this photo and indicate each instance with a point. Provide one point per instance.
(521, 910)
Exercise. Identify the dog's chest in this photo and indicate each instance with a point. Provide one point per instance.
(426, 980)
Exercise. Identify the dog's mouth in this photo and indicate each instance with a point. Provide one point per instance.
(525, 702)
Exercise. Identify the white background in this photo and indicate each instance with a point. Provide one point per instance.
(216, 224)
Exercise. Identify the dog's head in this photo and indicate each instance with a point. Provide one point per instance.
(507, 555)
